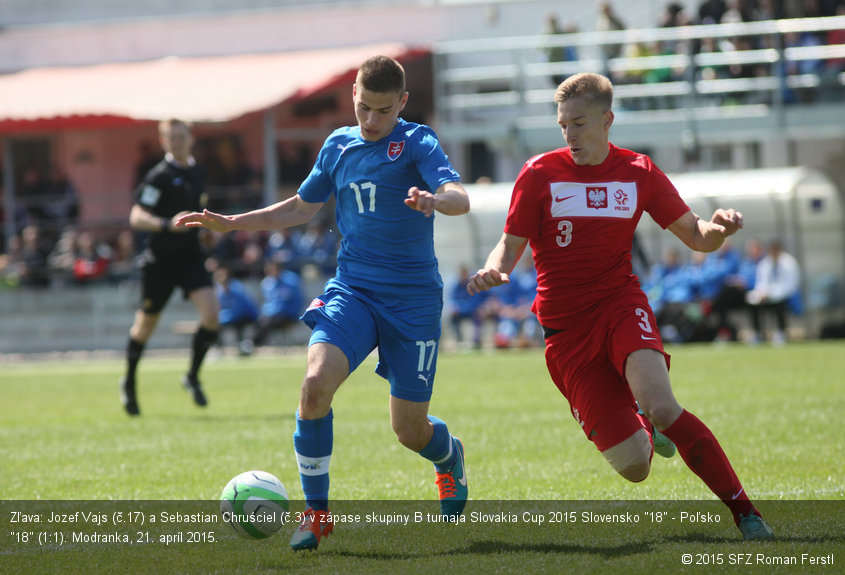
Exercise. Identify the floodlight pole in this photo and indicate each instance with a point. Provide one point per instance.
(271, 170)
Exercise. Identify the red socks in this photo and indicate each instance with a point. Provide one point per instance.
(704, 456)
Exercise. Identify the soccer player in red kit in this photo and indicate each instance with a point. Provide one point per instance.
(578, 208)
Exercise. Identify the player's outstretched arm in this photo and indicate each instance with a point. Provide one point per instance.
(451, 199)
(500, 263)
(706, 236)
(285, 214)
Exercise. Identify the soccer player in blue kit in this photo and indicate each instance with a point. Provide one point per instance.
(387, 292)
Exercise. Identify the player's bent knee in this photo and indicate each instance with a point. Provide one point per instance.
(315, 398)
(631, 458)
(636, 473)
(411, 437)
(664, 415)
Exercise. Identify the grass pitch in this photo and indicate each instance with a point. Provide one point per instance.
(540, 493)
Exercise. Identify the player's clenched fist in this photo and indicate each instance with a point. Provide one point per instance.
(421, 201)
(730, 220)
(483, 280)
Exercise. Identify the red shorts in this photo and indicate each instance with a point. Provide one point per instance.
(587, 363)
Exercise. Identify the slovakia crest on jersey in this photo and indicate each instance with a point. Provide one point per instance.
(596, 197)
(394, 150)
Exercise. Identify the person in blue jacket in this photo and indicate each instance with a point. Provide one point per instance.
(238, 310)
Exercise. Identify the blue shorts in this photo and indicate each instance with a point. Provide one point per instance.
(354, 325)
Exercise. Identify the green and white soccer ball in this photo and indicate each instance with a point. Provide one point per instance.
(255, 504)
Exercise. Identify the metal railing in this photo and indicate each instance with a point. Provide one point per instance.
(747, 70)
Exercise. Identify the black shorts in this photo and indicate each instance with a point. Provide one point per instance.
(160, 277)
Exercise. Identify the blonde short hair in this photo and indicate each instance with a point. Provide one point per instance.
(595, 88)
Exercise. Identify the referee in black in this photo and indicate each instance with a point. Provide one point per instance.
(172, 257)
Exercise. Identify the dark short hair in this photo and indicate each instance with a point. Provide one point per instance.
(167, 125)
(593, 87)
(381, 74)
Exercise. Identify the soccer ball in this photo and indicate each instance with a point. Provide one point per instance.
(255, 504)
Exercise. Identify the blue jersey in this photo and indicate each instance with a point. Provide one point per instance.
(387, 250)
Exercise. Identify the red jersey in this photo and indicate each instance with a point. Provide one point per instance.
(580, 222)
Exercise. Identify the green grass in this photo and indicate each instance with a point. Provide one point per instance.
(778, 413)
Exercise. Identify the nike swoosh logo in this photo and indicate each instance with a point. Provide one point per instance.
(738, 493)
(557, 199)
(647, 338)
(463, 479)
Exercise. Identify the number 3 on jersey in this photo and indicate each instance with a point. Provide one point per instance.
(365, 188)
(564, 238)
(644, 323)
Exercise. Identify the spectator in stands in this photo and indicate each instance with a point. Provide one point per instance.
(831, 88)
(672, 16)
(711, 11)
(31, 265)
(252, 254)
(836, 37)
(764, 10)
(91, 261)
(33, 192)
(566, 53)
(172, 257)
(659, 281)
(51, 202)
(283, 300)
(740, 69)
(318, 246)
(123, 265)
(736, 12)
(637, 49)
(9, 263)
(61, 258)
(777, 285)
(707, 273)
(608, 21)
(731, 296)
(811, 9)
(713, 270)
(62, 207)
(282, 247)
(238, 310)
(830, 7)
(464, 307)
(671, 289)
(20, 218)
(803, 68)
(242, 252)
(517, 325)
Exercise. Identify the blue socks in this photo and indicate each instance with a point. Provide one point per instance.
(312, 442)
(440, 449)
